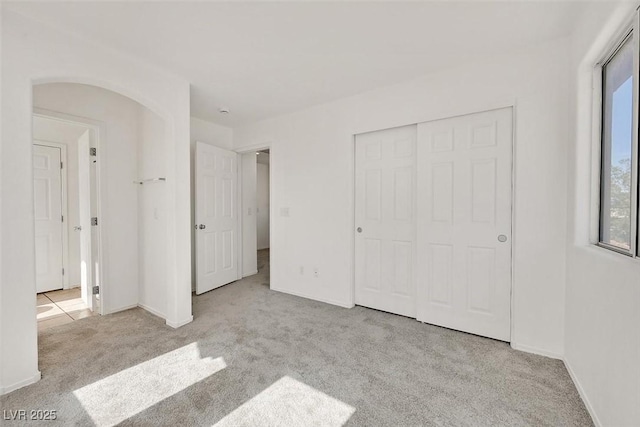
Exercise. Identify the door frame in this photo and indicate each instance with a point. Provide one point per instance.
(435, 117)
(97, 129)
(64, 205)
(245, 150)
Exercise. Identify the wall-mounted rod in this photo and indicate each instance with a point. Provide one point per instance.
(150, 180)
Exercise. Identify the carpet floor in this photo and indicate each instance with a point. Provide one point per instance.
(255, 357)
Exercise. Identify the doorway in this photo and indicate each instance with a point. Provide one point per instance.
(255, 204)
(433, 213)
(65, 200)
(263, 234)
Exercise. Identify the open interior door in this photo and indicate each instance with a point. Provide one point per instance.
(216, 219)
(85, 175)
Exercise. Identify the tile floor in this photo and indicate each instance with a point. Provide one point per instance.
(60, 307)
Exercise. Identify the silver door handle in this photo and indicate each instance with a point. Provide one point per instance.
(359, 229)
(77, 228)
(502, 238)
(202, 226)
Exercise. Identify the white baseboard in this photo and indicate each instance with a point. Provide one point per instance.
(251, 273)
(8, 389)
(583, 395)
(176, 325)
(534, 350)
(325, 300)
(152, 311)
(116, 310)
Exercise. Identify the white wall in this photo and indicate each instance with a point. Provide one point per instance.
(118, 147)
(32, 52)
(212, 134)
(602, 349)
(262, 204)
(249, 205)
(319, 229)
(151, 213)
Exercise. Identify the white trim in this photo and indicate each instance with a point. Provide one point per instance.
(583, 394)
(535, 350)
(8, 389)
(64, 184)
(176, 325)
(98, 130)
(324, 300)
(596, 155)
(152, 311)
(241, 151)
(256, 147)
(118, 310)
(240, 216)
(251, 273)
(513, 236)
(352, 220)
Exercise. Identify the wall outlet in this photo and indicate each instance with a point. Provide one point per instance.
(316, 272)
(301, 270)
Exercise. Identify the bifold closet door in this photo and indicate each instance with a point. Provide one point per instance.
(385, 220)
(464, 180)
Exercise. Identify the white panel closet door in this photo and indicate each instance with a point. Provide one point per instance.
(216, 217)
(385, 220)
(47, 201)
(464, 223)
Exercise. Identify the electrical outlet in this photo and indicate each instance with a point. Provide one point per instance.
(316, 273)
(302, 270)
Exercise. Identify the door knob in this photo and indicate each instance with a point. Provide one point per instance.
(202, 227)
(359, 229)
(77, 228)
(502, 238)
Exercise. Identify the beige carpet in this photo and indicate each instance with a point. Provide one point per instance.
(256, 357)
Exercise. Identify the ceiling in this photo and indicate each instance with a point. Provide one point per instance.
(265, 59)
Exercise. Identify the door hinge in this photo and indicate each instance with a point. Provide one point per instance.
(63, 271)
(93, 151)
(95, 290)
(61, 165)
(62, 218)
(94, 220)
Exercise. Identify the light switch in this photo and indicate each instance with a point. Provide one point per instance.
(284, 211)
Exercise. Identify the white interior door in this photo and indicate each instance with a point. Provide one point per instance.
(464, 223)
(385, 220)
(84, 200)
(216, 217)
(47, 194)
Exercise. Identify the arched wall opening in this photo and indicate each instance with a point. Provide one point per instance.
(131, 232)
(36, 54)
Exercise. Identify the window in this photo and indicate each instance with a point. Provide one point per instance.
(619, 141)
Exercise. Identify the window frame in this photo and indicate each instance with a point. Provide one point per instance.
(631, 32)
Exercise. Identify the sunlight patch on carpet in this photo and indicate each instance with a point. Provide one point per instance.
(289, 402)
(115, 398)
